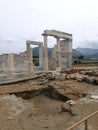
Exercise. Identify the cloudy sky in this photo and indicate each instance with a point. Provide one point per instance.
(26, 19)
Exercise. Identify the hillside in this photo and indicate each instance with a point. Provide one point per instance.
(36, 51)
(75, 53)
(93, 57)
(89, 53)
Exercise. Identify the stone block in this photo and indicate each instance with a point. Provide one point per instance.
(60, 76)
(89, 79)
(96, 80)
(65, 108)
(79, 78)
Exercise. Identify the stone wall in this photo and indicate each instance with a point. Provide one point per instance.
(19, 62)
(66, 55)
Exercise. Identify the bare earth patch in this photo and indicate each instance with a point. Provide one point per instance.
(42, 110)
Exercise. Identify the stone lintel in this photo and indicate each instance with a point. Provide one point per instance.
(56, 33)
(34, 42)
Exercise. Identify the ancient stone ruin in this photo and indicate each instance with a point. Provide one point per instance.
(52, 95)
(61, 56)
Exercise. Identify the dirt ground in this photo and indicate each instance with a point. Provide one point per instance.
(40, 111)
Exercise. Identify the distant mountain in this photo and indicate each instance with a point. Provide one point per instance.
(87, 51)
(36, 51)
(75, 53)
(93, 56)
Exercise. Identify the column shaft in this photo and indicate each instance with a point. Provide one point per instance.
(45, 53)
(41, 56)
(59, 52)
(10, 63)
(69, 54)
(29, 55)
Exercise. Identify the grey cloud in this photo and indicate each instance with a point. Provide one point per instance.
(90, 44)
(29, 38)
(96, 35)
(23, 20)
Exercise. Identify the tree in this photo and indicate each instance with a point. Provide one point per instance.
(81, 57)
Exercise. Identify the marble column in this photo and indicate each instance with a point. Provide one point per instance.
(10, 63)
(5, 63)
(55, 56)
(69, 65)
(30, 59)
(45, 53)
(58, 52)
(41, 56)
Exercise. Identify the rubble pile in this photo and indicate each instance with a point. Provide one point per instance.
(81, 76)
(52, 101)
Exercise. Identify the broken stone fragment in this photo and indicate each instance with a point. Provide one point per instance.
(79, 77)
(72, 76)
(9, 118)
(89, 79)
(59, 76)
(94, 97)
(71, 102)
(82, 72)
(66, 108)
(68, 77)
(96, 80)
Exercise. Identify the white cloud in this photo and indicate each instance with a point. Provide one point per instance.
(24, 19)
(7, 39)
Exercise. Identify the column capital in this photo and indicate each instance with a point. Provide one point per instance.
(56, 37)
(45, 35)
